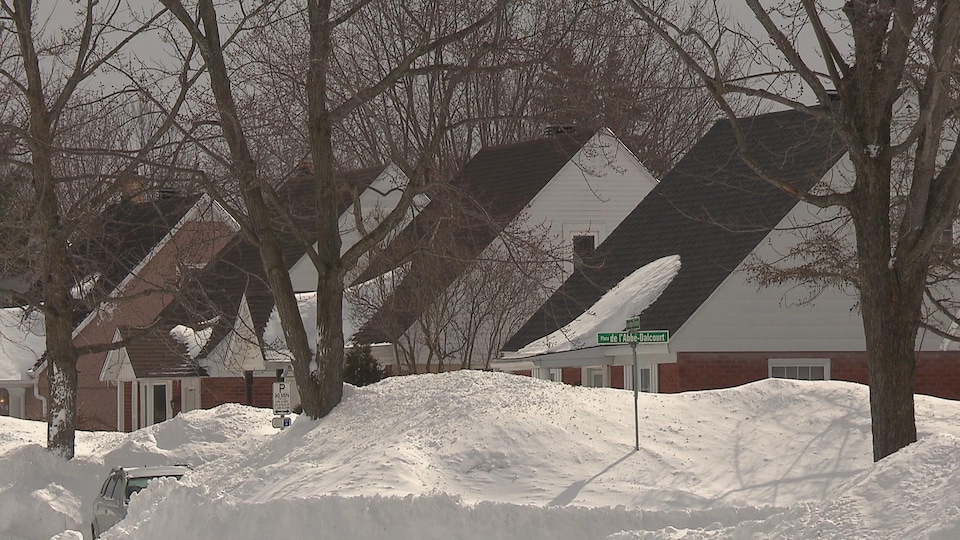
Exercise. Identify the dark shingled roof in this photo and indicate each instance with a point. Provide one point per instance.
(489, 193)
(156, 355)
(237, 270)
(115, 243)
(711, 209)
(123, 236)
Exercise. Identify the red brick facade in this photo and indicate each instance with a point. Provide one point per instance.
(219, 390)
(937, 374)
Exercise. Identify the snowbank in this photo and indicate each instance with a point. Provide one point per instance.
(487, 455)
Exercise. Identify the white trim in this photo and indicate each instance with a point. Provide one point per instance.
(148, 389)
(121, 406)
(654, 378)
(189, 394)
(548, 374)
(588, 375)
(799, 362)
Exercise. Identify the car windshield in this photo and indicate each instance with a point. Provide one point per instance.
(134, 485)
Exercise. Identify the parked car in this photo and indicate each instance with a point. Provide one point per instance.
(111, 503)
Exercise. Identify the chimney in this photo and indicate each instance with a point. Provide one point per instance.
(133, 189)
(305, 166)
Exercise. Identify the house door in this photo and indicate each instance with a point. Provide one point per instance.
(154, 402)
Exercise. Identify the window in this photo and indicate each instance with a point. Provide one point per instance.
(159, 404)
(584, 245)
(111, 487)
(550, 374)
(645, 380)
(803, 369)
(596, 377)
(645, 376)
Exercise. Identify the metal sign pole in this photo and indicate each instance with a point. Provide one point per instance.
(636, 395)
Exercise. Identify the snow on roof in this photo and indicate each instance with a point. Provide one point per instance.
(193, 340)
(22, 342)
(274, 342)
(627, 299)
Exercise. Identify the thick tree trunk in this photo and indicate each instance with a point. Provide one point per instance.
(323, 389)
(891, 296)
(58, 314)
(57, 305)
(890, 336)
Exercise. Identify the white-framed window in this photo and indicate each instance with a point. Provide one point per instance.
(595, 376)
(647, 377)
(550, 374)
(803, 369)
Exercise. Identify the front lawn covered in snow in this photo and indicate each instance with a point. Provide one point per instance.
(478, 455)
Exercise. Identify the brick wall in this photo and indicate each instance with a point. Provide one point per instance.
(937, 374)
(616, 377)
(219, 390)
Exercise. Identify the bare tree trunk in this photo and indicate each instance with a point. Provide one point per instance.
(890, 333)
(322, 391)
(57, 309)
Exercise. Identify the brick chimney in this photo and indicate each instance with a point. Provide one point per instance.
(133, 189)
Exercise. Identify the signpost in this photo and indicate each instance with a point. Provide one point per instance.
(281, 404)
(634, 335)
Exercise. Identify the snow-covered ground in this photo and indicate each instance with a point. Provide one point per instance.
(485, 455)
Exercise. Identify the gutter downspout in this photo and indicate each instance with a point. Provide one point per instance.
(36, 392)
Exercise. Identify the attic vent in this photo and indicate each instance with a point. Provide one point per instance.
(558, 129)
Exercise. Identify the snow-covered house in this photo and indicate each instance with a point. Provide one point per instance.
(133, 259)
(217, 343)
(22, 344)
(569, 188)
(717, 216)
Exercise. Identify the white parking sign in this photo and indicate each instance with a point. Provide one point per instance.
(281, 398)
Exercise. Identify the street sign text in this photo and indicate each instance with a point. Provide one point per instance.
(639, 336)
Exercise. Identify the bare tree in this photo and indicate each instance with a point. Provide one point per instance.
(68, 133)
(412, 35)
(901, 49)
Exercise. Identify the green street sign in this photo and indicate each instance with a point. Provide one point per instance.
(639, 336)
(633, 323)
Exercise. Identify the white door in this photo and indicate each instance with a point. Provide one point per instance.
(154, 402)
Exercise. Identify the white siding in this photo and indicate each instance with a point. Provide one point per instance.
(593, 192)
(378, 200)
(741, 316)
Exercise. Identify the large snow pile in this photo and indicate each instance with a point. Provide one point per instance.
(486, 455)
